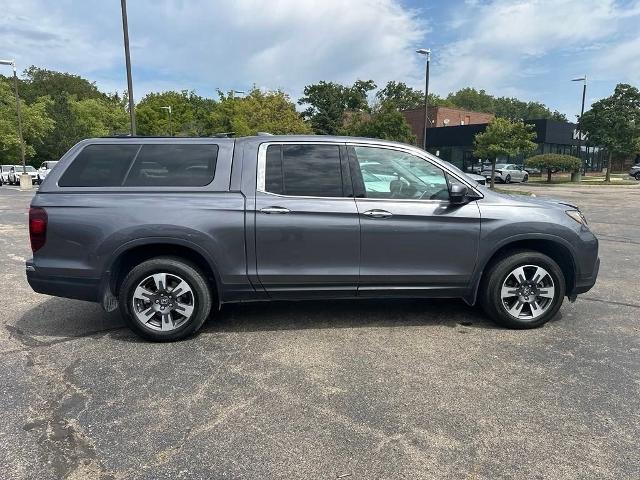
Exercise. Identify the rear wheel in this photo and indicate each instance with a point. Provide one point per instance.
(523, 290)
(165, 299)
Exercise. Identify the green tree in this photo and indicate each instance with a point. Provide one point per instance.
(515, 109)
(39, 82)
(471, 99)
(258, 111)
(77, 119)
(503, 138)
(36, 124)
(402, 97)
(328, 101)
(385, 122)
(190, 114)
(505, 107)
(614, 123)
(554, 162)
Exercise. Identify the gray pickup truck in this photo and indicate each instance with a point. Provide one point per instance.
(169, 229)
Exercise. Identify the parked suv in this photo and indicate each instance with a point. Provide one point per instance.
(168, 229)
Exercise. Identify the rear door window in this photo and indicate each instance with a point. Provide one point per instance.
(304, 170)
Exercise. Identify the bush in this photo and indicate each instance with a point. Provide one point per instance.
(554, 162)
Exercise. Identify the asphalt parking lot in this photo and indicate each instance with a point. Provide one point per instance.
(325, 390)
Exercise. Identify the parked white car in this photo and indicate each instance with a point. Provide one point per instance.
(4, 174)
(506, 173)
(16, 170)
(45, 168)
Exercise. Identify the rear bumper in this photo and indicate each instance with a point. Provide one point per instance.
(67, 287)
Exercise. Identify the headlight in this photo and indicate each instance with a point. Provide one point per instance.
(577, 216)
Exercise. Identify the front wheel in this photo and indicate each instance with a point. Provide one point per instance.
(507, 179)
(525, 179)
(638, 176)
(165, 299)
(523, 290)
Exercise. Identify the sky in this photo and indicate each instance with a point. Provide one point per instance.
(528, 49)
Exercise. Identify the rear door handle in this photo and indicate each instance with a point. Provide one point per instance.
(274, 210)
(376, 213)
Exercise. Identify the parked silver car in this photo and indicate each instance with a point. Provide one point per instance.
(507, 173)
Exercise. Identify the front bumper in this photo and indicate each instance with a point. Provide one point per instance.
(585, 282)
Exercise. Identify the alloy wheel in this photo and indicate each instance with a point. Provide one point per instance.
(527, 292)
(163, 302)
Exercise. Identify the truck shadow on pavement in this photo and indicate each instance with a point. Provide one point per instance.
(316, 314)
(56, 319)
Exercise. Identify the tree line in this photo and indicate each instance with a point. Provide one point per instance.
(59, 109)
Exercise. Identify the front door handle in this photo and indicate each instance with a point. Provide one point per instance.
(376, 213)
(274, 210)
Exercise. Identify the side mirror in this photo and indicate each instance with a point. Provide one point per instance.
(457, 193)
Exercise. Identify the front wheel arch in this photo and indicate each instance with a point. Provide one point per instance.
(558, 252)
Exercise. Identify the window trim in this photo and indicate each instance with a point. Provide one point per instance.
(420, 155)
(261, 168)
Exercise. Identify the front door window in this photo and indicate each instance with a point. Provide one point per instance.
(394, 174)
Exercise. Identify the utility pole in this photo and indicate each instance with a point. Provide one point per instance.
(168, 109)
(584, 93)
(23, 183)
(427, 53)
(125, 31)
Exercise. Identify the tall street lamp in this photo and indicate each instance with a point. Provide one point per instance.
(168, 109)
(427, 53)
(24, 182)
(584, 93)
(127, 56)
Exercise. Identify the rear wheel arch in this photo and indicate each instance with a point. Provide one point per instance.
(134, 253)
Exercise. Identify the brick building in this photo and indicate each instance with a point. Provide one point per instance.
(443, 117)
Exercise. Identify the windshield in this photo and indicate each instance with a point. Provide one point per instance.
(29, 168)
(501, 165)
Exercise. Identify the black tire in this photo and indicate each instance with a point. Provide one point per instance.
(197, 281)
(490, 294)
(638, 176)
(507, 179)
(525, 179)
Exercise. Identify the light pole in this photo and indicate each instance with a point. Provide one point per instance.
(23, 183)
(168, 109)
(127, 56)
(427, 53)
(584, 93)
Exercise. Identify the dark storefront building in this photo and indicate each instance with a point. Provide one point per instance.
(455, 144)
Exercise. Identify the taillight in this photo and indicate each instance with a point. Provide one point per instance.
(37, 228)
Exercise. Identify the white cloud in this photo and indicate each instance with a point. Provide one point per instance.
(226, 44)
(505, 40)
(621, 62)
